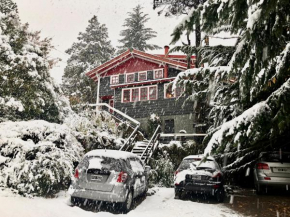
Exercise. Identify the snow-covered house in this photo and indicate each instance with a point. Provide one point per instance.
(135, 83)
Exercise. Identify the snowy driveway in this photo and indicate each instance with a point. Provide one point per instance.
(161, 204)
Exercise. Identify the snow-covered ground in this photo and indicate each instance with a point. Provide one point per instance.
(162, 203)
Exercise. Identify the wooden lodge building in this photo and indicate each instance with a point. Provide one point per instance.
(135, 83)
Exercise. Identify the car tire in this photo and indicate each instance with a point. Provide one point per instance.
(126, 206)
(220, 195)
(178, 195)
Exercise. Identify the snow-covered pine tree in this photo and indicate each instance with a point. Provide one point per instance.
(176, 8)
(91, 50)
(249, 97)
(136, 35)
(26, 89)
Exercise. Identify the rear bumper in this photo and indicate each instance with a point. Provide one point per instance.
(274, 182)
(199, 188)
(118, 194)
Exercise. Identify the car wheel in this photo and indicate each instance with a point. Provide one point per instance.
(128, 202)
(220, 195)
(178, 195)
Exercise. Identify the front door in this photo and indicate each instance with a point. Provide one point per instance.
(111, 103)
(169, 126)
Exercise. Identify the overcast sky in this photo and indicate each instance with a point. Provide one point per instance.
(62, 20)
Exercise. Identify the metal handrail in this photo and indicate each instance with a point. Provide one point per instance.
(150, 141)
(125, 116)
(117, 111)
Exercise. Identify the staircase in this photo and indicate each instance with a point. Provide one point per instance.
(146, 149)
(143, 149)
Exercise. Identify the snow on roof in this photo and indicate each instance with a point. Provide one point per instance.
(111, 153)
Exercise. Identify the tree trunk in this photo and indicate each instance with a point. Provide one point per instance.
(197, 42)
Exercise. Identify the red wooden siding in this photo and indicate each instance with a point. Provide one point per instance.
(133, 65)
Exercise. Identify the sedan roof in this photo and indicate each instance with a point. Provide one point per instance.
(111, 153)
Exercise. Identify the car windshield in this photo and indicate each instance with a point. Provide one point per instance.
(276, 157)
(103, 163)
(197, 164)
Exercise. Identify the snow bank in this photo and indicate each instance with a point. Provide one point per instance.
(37, 157)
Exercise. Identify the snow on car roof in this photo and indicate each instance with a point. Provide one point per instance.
(111, 153)
(201, 156)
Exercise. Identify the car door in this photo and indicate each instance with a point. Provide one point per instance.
(143, 181)
(137, 171)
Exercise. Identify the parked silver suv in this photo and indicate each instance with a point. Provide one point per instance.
(272, 170)
(109, 175)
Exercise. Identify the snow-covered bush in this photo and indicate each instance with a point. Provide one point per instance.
(94, 129)
(161, 173)
(152, 124)
(37, 157)
(168, 158)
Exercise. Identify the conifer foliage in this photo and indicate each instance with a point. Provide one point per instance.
(136, 35)
(26, 89)
(91, 50)
(249, 97)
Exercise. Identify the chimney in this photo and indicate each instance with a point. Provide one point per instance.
(166, 50)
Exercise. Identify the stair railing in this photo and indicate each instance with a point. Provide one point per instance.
(147, 150)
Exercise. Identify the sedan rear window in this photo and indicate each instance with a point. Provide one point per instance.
(197, 164)
(276, 157)
(102, 163)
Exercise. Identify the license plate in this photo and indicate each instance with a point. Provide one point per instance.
(96, 178)
(196, 177)
(281, 170)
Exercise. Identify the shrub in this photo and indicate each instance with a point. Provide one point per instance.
(37, 157)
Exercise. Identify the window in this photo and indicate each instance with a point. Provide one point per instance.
(143, 93)
(179, 91)
(153, 93)
(130, 78)
(115, 79)
(158, 73)
(168, 93)
(169, 126)
(142, 76)
(139, 93)
(126, 95)
(135, 95)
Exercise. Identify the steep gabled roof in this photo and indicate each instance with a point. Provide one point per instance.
(134, 54)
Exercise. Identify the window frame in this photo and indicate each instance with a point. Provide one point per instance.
(174, 92)
(123, 90)
(154, 76)
(126, 77)
(156, 95)
(146, 73)
(147, 93)
(138, 94)
(111, 79)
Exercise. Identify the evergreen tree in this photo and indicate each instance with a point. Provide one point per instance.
(91, 50)
(136, 35)
(249, 98)
(26, 89)
(178, 7)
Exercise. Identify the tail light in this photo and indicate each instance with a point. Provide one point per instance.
(76, 175)
(216, 177)
(176, 172)
(122, 177)
(262, 166)
(267, 178)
